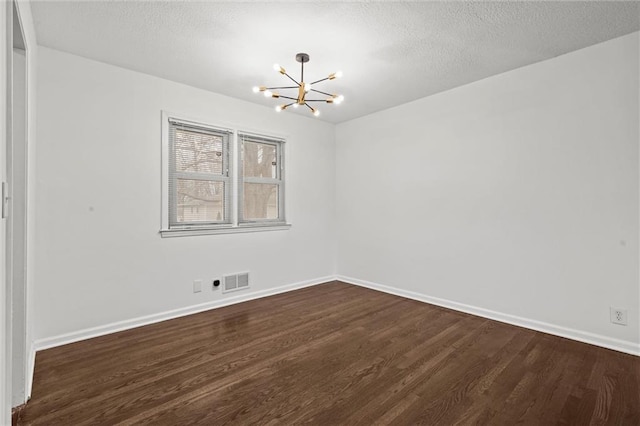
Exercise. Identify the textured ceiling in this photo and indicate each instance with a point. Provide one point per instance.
(390, 52)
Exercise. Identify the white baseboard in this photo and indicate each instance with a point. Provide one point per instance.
(102, 330)
(581, 336)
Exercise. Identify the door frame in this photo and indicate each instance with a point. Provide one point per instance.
(16, 160)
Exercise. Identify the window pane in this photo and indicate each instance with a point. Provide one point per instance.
(199, 201)
(198, 152)
(260, 201)
(259, 160)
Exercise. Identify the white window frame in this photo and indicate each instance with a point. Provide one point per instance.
(233, 225)
(278, 180)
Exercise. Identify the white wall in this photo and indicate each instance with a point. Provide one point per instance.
(99, 257)
(516, 194)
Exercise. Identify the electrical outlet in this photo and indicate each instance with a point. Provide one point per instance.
(197, 286)
(618, 316)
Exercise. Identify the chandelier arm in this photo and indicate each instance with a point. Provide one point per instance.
(283, 87)
(318, 81)
(312, 100)
(324, 93)
(283, 107)
(309, 106)
(289, 97)
(292, 79)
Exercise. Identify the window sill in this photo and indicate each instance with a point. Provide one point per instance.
(186, 232)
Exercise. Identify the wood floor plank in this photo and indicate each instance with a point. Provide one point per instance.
(329, 355)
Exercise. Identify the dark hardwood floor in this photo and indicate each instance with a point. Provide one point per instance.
(333, 354)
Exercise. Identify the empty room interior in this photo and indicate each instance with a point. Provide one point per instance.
(323, 212)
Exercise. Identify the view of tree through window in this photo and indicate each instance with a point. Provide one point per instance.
(260, 169)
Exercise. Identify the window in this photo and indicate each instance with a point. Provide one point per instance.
(218, 180)
(261, 190)
(199, 182)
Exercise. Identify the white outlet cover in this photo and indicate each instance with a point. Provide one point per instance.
(197, 286)
(618, 315)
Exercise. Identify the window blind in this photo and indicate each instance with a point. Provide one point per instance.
(199, 175)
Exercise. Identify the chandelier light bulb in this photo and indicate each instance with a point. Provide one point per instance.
(295, 105)
(279, 108)
(307, 87)
(316, 112)
(339, 74)
(256, 89)
(276, 67)
(338, 100)
(267, 93)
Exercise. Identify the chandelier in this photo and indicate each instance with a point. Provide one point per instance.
(304, 89)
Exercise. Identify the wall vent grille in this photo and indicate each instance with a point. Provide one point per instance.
(235, 282)
(243, 280)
